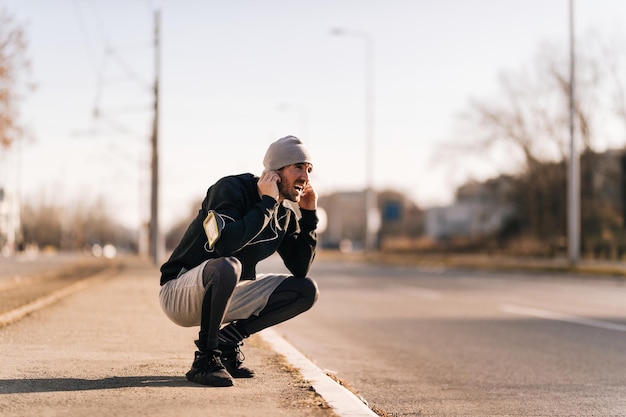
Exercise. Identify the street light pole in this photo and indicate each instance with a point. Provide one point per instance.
(372, 221)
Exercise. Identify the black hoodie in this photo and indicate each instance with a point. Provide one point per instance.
(252, 228)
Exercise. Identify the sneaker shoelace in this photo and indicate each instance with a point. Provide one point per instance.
(239, 356)
(234, 355)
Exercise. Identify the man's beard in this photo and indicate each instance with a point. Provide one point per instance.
(288, 191)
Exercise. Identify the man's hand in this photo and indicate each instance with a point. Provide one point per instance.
(268, 184)
(308, 199)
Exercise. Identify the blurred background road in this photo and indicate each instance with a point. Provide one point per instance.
(23, 266)
(31, 281)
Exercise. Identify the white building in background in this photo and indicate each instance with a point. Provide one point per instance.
(480, 209)
(465, 219)
(9, 221)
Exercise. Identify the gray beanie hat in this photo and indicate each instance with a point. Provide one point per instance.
(286, 151)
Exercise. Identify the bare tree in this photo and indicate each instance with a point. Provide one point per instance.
(13, 66)
(82, 224)
(528, 119)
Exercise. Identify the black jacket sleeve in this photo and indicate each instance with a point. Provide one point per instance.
(298, 247)
(241, 218)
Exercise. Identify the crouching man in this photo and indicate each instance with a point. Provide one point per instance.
(210, 279)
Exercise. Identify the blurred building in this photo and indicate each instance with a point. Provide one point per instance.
(523, 214)
(9, 221)
(399, 218)
(479, 209)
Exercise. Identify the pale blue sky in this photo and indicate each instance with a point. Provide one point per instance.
(228, 66)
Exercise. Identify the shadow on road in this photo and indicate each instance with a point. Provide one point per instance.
(22, 386)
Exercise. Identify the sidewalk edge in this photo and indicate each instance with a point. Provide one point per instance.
(342, 401)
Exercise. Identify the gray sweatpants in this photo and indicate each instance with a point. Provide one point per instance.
(181, 298)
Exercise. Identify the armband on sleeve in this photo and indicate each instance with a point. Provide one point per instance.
(211, 228)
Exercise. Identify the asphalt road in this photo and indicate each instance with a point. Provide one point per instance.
(27, 265)
(429, 341)
(29, 282)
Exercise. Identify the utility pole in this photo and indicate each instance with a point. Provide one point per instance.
(573, 218)
(154, 244)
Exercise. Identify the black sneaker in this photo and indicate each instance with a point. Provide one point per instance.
(207, 369)
(232, 358)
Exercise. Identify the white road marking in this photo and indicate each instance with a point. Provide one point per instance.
(552, 315)
(343, 402)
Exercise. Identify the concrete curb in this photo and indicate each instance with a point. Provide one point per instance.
(342, 401)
